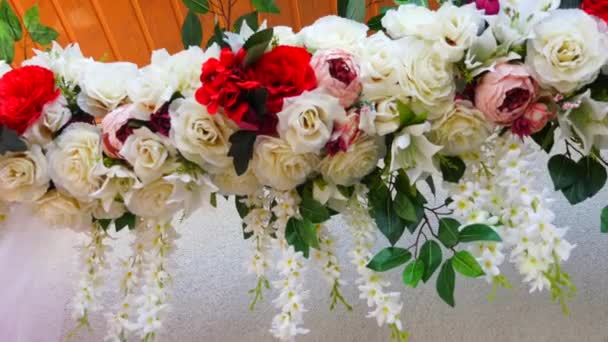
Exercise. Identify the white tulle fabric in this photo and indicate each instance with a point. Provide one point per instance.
(36, 278)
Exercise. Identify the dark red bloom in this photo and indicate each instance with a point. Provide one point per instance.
(598, 8)
(344, 135)
(124, 132)
(285, 72)
(491, 7)
(160, 121)
(340, 70)
(515, 98)
(23, 93)
(225, 84)
(522, 127)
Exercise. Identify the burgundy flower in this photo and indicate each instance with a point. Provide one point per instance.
(160, 121)
(344, 134)
(491, 7)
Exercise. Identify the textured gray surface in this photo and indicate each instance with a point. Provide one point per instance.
(211, 302)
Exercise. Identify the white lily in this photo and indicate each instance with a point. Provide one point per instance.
(413, 152)
(589, 120)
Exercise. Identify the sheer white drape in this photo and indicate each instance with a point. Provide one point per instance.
(37, 265)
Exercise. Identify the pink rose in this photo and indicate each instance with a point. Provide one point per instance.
(338, 73)
(504, 94)
(534, 120)
(115, 130)
(344, 134)
(490, 6)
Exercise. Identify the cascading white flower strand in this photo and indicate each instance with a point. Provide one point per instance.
(159, 241)
(498, 188)
(386, 305)
(327, 260)
(93, 259)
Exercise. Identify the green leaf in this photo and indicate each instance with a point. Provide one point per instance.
(604, 220)
(546, 137)
(404, 207)
(256, 46)
(594, 175)
(478, 232)
(446, 282)
(424, 3)
(375, 23)
(389, 258)
(431, 256)
(126, 220)
(308, 231)
(407, 116)
(192, 30)
(217, 37)
(452, 168)
(213, 199)
(265, 6)
(103, 223)
(383, 212)
(257, 100)
(465, 264)
(241, 208)
(39, 33)
(355, 10)
(412, 274)
(250, 18)
(448, 231)
(302, 234)
(563, 170)
(10, 141)
(312, 209)
(8, 16)
(7, 44)
(241, 150)
(197, 6)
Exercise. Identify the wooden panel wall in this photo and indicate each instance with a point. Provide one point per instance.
(130, 29)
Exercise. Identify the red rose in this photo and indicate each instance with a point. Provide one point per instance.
(23, 93)
(285, 72)
(598, 8)
(225, 84)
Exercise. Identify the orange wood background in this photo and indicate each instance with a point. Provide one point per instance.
(131, 29)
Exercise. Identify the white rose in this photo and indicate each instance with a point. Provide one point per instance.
(382, 118)
(458, 28)
(275, 164)
(461, 129)
(104, 86)
(152, 87)
(184, 68)
(307, 121)
(201, 137)
(4, 68)
(72, 160)
(54, 116)
(411, 20)
(284, 36)
(426, 75)
(151, 201)
(348, 168)
(147, 153)
(23, 175)
(515, 19)
(68, 63)
(333, 32)
(380, 64)
(58, 209)
(567, 50)
(229, 183)
(118, 185)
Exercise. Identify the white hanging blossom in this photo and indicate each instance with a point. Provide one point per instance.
(159, 239)
(285, 207)
(386, 306)
(327, 260)
(94, 267)
(286, 325)
(498, 189)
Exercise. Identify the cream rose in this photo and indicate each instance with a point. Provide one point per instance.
(147, 153)
(61, 210)
(23, 175)
(380, 64)
(411, 20)
(152, 87)
(567, 50)
(349, 167)
(151, 201)
(72, 160)
(229, 183)
(458, 28)
(275, 164)
(333, 32)
(307, 121)
(461, 129)
(383, 117)
(184, 68)
(54, 116)
(426, 75)
(201, 137)
(104, 86)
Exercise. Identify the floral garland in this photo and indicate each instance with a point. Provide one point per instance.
(300, 127)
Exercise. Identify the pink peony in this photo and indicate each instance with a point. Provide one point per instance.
(114, 129)
(534, 120)
(491, 7)
(504, 94)
(338, 73)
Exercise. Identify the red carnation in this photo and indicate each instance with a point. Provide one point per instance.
(225, 84)
(23, 93)
(598, 8)
(285, 72)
